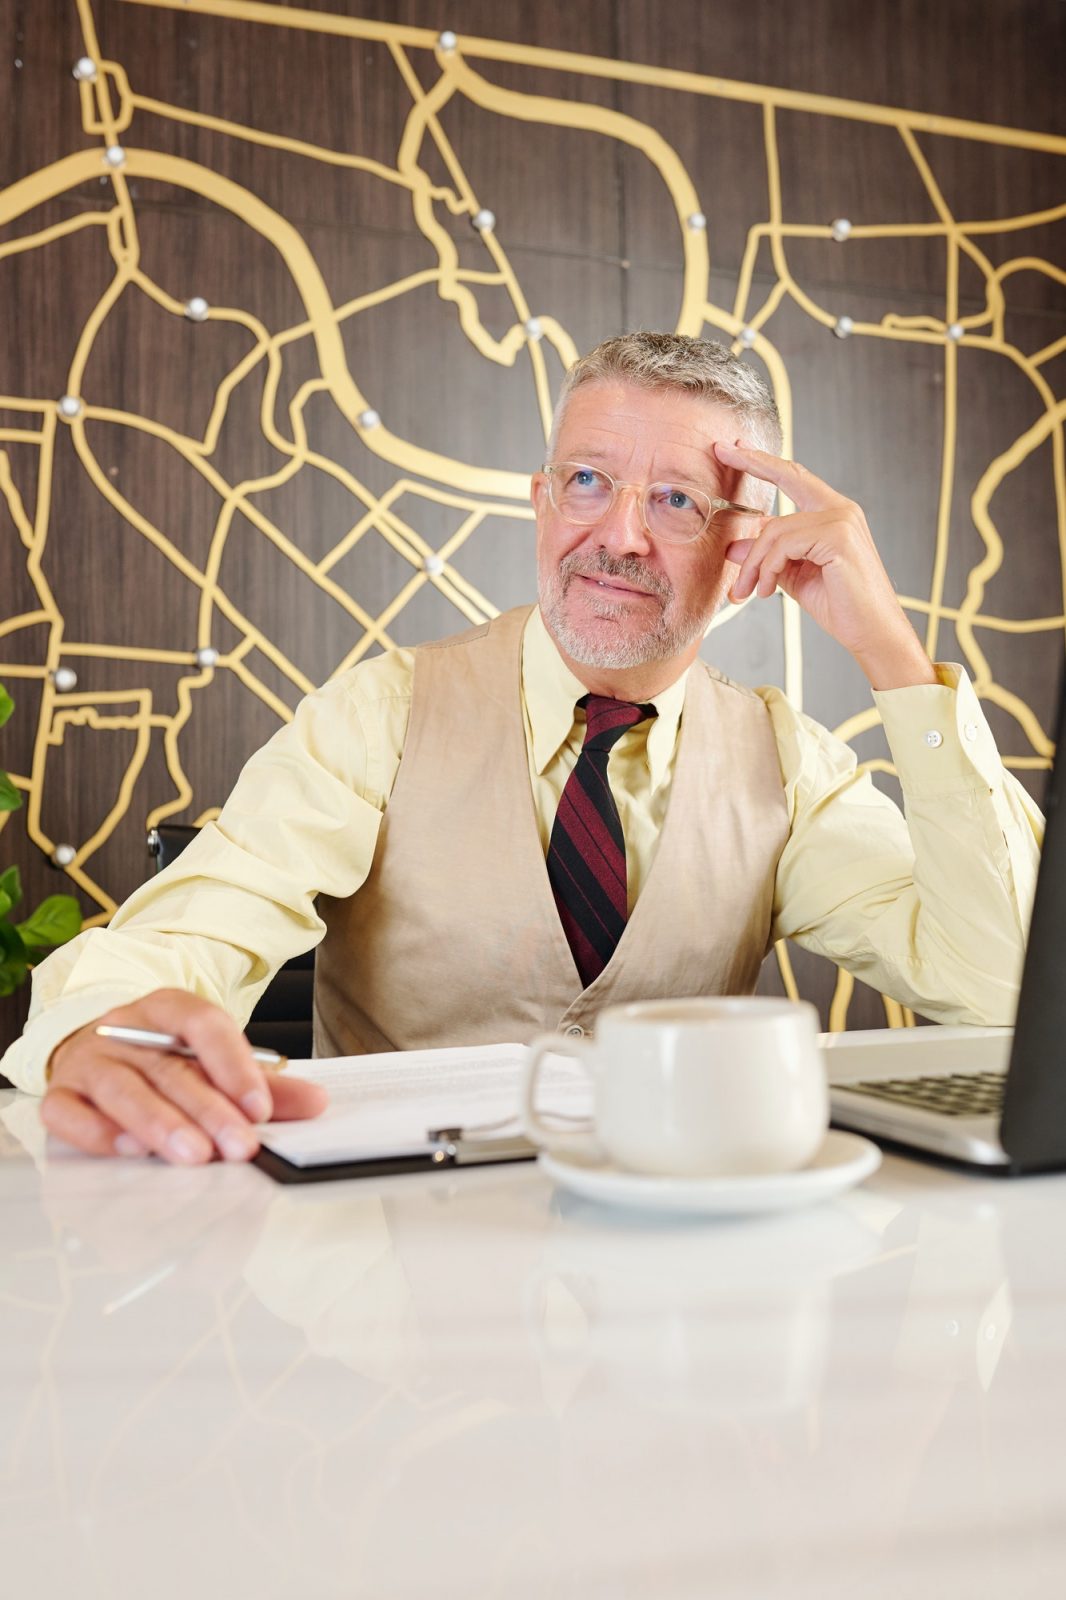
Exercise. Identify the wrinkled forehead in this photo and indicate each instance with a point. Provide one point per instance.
(614, 424)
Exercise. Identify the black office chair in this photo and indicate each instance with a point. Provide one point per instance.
(282, 1019)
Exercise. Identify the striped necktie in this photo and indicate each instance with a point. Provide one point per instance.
(587, 852)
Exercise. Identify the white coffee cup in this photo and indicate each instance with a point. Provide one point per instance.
(695, 1088)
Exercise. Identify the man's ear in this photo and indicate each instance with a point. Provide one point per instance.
(538, 488)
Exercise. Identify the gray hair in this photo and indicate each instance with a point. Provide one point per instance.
(703, 367)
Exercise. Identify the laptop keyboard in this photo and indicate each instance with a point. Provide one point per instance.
(962, 1094)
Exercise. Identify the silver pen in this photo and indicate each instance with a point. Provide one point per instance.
(173, 1045)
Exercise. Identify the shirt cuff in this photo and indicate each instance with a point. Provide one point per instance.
(26, 1061)
(938, 735)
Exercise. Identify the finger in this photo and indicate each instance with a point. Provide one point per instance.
(739, 550)
(296, 1099)
(221, 1048)
(774, 565)
(806, 492)
(136, 1105)
(70, 1118)
(759, 550)
(790, 539)
(110, 1083)
(186, 1086)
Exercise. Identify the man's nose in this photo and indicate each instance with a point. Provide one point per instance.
(622, 529)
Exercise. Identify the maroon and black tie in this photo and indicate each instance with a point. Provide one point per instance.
(587, 852)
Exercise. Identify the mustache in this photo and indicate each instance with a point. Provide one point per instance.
(627, 569)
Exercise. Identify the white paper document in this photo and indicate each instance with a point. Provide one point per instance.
(383, 1106)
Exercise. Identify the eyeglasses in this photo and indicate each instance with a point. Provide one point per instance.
(674, 512)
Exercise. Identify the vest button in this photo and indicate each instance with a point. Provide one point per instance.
(575, 1031)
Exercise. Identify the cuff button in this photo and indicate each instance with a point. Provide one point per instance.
(934, 739)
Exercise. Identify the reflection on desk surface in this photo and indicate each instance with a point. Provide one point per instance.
(384, 1387)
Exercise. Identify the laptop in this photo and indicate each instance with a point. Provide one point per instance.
(993, 1098)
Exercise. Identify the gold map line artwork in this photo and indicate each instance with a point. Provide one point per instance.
(116, 116)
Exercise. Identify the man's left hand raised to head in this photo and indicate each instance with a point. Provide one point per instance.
(824, 557)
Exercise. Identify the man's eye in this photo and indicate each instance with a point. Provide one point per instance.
(678, 500)
(583, 478)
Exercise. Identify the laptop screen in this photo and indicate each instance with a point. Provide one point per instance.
(1033, 1132)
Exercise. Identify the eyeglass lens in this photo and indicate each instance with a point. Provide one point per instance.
(583, 494)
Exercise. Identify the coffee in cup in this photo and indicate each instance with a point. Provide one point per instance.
(687, 1088)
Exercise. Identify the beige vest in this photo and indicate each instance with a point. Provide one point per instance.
(455, 939)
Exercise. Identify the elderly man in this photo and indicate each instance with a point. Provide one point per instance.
(499, 833)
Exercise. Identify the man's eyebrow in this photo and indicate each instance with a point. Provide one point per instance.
(590, 455)
(702, 476)
(594, 456)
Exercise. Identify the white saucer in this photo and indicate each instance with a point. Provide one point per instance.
(843, 1160)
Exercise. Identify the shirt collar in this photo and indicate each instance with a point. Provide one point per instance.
(550, 692)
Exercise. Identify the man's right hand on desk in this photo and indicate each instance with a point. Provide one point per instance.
(109, 1098)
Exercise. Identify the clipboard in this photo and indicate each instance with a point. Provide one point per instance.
(445, 1148)
(412, 1111)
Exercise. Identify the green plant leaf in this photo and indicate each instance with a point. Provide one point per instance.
(5, 903)
(56, 920)
(11, 885)
(10, 799)
(7, 705)
(14, 963)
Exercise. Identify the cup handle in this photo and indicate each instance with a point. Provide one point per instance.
(580, 1138)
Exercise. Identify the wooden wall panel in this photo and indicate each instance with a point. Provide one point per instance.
(589, 230)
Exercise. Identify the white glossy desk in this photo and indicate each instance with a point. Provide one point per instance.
(468, 1385)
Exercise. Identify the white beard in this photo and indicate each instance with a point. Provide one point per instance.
(660, 641)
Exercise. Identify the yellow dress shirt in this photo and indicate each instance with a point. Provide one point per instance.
(932, 910)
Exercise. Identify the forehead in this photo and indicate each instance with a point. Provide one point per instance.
(612, 420)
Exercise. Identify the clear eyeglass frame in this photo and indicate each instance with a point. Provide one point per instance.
(709, 504)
